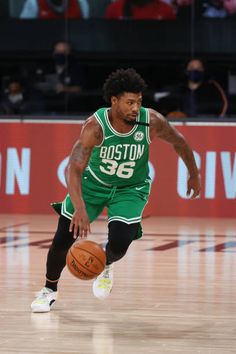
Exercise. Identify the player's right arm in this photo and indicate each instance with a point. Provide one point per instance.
(90, 136)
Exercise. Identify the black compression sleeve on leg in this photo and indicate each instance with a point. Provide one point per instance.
(56, 258)
(120, 236)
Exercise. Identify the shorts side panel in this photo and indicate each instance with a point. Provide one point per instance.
(128, 203)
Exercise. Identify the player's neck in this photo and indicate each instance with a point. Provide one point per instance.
(119, 124)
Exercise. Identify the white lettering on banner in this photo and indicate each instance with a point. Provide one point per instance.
(61, 171)
(210, 177)
(17, 171)
(229, 174)
(182, 176)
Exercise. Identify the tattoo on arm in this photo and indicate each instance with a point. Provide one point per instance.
(98, 134)
(168, 133)
(80, 154)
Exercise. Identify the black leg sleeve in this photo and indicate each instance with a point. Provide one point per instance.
(120, 236)
(62, 241)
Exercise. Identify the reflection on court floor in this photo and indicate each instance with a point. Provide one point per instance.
(174, 291)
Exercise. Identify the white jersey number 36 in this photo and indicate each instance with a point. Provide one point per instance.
(124, 170)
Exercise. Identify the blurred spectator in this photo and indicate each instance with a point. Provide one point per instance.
(15, 100)
(230, 7)
(66, 75)
(196, 96)
(65, 81)
(219, 8)
(180, 3)
(185, 9)
(69, 74)
(214, 8)
(140, 10)
(55, 9)
(97, 8)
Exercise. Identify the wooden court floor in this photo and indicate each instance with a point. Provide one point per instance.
(174, 292)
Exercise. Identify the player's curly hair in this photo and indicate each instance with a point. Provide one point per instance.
(123, 80)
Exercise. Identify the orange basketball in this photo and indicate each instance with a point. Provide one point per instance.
(86, 259)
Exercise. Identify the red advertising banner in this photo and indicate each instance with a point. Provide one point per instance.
(33, 157)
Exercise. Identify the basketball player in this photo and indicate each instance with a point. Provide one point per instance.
(108, 167)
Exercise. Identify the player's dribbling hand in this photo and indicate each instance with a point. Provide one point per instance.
(80, 225)
(194, 184)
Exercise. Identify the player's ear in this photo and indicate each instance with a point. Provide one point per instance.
(114, 99)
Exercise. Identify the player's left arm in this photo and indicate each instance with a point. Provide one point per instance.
(160, 127)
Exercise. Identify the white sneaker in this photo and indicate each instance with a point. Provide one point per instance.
(44, 300)
(102, 285)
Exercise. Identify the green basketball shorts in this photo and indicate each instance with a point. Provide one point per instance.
(124, 204)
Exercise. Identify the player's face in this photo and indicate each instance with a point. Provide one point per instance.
(127, 106)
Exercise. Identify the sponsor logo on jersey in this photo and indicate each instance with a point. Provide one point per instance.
(108, 137)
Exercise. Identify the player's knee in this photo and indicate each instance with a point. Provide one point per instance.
(120, 236)
(63, 238)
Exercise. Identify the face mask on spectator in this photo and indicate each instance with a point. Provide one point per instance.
(60, 58)
(195, 75)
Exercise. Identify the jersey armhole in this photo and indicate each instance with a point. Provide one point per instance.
(148, 126)
(102, 126)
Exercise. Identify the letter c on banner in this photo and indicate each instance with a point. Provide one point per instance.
(61, 171)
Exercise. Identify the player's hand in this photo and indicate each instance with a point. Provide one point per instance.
(194, 185)
(80, 225)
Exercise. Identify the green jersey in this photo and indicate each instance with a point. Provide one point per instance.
(122, 158)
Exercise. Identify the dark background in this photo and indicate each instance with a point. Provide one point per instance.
(159, 50)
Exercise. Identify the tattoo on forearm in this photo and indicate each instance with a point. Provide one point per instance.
(80, 154)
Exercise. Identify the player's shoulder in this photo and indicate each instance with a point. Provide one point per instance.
(155, 116)
(92, 127)
(91, 121)
(157, 122)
